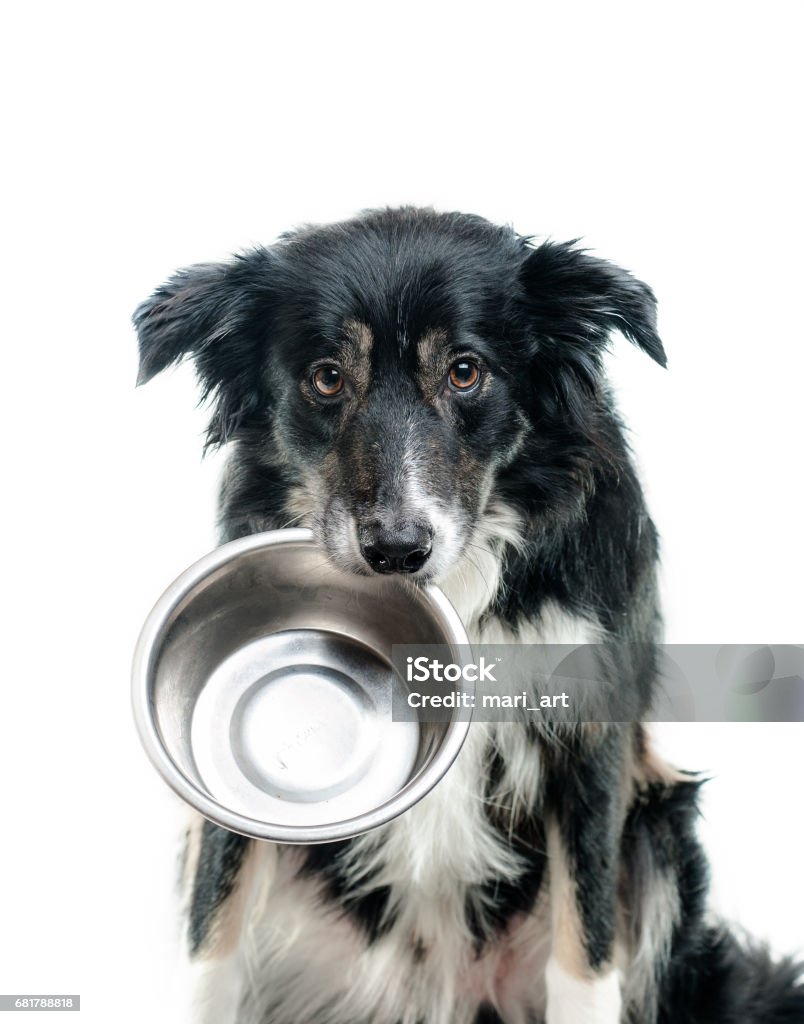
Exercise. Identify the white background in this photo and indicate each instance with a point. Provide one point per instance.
(139, 138)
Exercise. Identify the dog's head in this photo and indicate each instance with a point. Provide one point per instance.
(402, 370)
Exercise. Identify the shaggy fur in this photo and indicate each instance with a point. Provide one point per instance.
(426, 391)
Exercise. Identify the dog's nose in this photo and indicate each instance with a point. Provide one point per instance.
(402, 548)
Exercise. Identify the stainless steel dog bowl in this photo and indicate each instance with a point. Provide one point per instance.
(263, 688)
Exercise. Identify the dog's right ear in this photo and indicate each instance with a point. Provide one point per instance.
(216, 313)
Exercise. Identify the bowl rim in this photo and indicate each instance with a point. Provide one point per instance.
(147, 647)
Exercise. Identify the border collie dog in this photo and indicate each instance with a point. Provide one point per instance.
(426, 391)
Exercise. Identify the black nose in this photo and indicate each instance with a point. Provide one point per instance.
(402, 548)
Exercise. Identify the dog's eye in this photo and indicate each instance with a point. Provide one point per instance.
(464, 375)
(328, 381)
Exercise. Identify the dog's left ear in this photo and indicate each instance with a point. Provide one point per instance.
(215, 313)
(574, 301)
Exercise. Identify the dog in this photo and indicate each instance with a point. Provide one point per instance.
(426, 391)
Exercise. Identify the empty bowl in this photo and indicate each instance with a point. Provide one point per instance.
(263, 689)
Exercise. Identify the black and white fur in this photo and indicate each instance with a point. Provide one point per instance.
(554, 874)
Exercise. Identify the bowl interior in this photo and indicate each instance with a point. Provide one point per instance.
(269, 684)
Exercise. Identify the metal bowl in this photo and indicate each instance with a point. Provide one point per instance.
(263, 689)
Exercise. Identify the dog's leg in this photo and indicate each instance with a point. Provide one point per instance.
(585, 810)
(222, 872)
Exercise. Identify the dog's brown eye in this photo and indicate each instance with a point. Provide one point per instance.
(463, 375)
(328, 381)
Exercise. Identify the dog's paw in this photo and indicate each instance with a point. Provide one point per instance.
(572, 1000)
